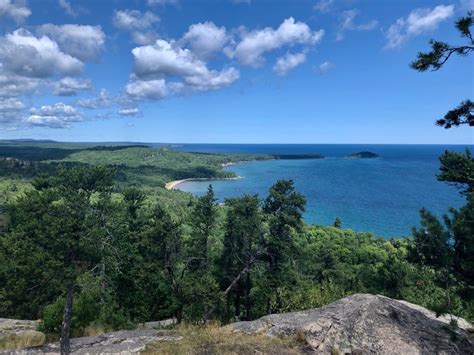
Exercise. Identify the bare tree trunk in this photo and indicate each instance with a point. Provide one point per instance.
(66, 325)
(248, 304)
(237, 305)
(179, 314)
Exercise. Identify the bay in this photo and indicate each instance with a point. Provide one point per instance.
(381, 195)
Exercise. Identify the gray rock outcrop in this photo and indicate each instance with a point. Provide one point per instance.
(121, 342)
(367, 324)
(19, 333)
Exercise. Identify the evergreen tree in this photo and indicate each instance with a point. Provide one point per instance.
(458, 169)
(461, 228)
(201, 291)
(284, 209)
(435, 60)
(163, 245)
(242, 243)
(203, 222)
(62, 227)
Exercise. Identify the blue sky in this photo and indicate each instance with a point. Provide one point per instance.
(256, 71)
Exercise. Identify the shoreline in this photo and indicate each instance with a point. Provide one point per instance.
(172, 185)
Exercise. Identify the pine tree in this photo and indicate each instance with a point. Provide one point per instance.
(284, 209)
(63, 226)
(242, 243)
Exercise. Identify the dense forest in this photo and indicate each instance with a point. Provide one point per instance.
(80, 239)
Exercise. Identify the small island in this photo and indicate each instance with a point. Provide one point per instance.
(363, 155)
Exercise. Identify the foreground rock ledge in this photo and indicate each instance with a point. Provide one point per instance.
(121, 342)
(367, 324)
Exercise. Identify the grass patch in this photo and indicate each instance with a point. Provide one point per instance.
(213, 339)
(22, 340)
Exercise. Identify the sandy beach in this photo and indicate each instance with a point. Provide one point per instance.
(172, 185)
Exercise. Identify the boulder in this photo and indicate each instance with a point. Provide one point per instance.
(159, 324)
(367, 324)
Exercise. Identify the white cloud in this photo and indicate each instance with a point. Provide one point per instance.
(144, 38)
(138, 24)
(56, 116)
(70, 86)
(130, 20)
(102, 101)
(150, 89)
(67, 7)
(161, 2)
(14, 9)
(10, 109)
(325, 67)
(80, 41)
(256, 43)
(212, 80)
(324, 6)
(288, 62)
(24, 54)
(205, 39)
(12, 85)
(348, 24)
(129, 111)
(168, 60)
(417, 22)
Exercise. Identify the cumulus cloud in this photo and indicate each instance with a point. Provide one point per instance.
(324, 6)
(212, 80)
(254, 44)
(56, 116)
(138, 24)
(10, 109)
(130, 20)
(80, 41)
(418, 21)
(12, 85)
(325, 67)
(129, 111)
(70, 86)
(288, 62)
(150, 89)
(14, 9)
(164, 59)
(205, 39)
(24, 54)
(348, 24)
(101, 101)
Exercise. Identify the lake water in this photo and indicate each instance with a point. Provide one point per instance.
(381, 195)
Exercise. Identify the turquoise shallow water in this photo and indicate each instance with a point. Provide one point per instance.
(380, 195)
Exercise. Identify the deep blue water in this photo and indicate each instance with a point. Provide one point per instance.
(381, 195)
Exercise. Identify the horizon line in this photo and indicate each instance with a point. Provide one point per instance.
(218, 143)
